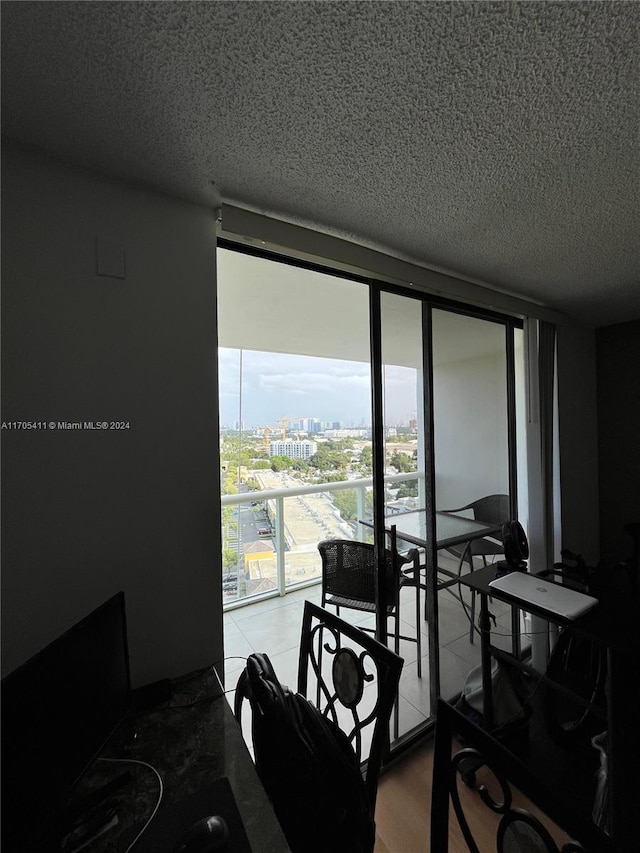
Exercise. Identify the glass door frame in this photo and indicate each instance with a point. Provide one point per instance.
(427, 302)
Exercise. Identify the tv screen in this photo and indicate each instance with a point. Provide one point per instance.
(58, 709)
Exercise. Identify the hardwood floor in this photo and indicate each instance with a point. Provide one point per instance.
(404, 804)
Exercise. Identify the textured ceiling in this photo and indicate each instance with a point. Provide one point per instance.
(499, 141)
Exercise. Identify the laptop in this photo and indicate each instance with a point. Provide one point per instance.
(539, 592)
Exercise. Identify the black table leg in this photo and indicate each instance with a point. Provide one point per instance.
(485, 657)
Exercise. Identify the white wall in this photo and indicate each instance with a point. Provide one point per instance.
(86, 513)
(470, 422)
(578, 440)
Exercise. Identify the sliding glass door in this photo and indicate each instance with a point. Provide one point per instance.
(347, 406)
(474, 467)
(404, 438)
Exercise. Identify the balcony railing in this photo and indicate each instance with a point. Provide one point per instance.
(283, 533)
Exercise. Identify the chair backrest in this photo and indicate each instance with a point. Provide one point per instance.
(307, 766)
(336, 662)
(493, 509)
(348, 570)
(489, 770)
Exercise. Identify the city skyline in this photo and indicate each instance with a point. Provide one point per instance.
(281, 385)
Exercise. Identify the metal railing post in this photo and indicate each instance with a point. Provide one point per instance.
(360, 508)
(280, 547)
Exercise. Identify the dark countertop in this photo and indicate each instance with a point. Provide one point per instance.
(192, 740)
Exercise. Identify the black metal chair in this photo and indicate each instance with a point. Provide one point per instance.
(348, 580)
(492, 509)
(354, 682)
(518, 830)
(352, 679)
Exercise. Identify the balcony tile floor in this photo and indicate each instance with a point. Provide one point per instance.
(273, 626)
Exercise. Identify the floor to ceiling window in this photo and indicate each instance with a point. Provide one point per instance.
(403, 391)
(295, 419)
(299, 433)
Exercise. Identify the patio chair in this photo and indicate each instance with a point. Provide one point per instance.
(492, 509)
(348, 580)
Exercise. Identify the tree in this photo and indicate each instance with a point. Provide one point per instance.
(402, 462)
(346, 503)
(366, 459)
(408, 490)
(229, 486)
(280, 463)
(229, 559)
(329, 457)
(241, 450)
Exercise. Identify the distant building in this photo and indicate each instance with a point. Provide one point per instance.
(345, 433)
(293, 449)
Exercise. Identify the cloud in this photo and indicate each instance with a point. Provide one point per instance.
(277, 385)
(313, 383)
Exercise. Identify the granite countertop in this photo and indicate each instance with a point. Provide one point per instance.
(192, 740)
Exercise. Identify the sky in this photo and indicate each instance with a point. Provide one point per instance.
(279, 385)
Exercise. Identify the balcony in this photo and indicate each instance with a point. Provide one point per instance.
(275, 532)
(269, 620)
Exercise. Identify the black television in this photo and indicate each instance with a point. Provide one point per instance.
(58, 709)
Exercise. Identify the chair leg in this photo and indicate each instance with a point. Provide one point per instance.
(416, 583)
(396, 643)
(467, 557)
(396, 714)
(418, 631)
(473, 617)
